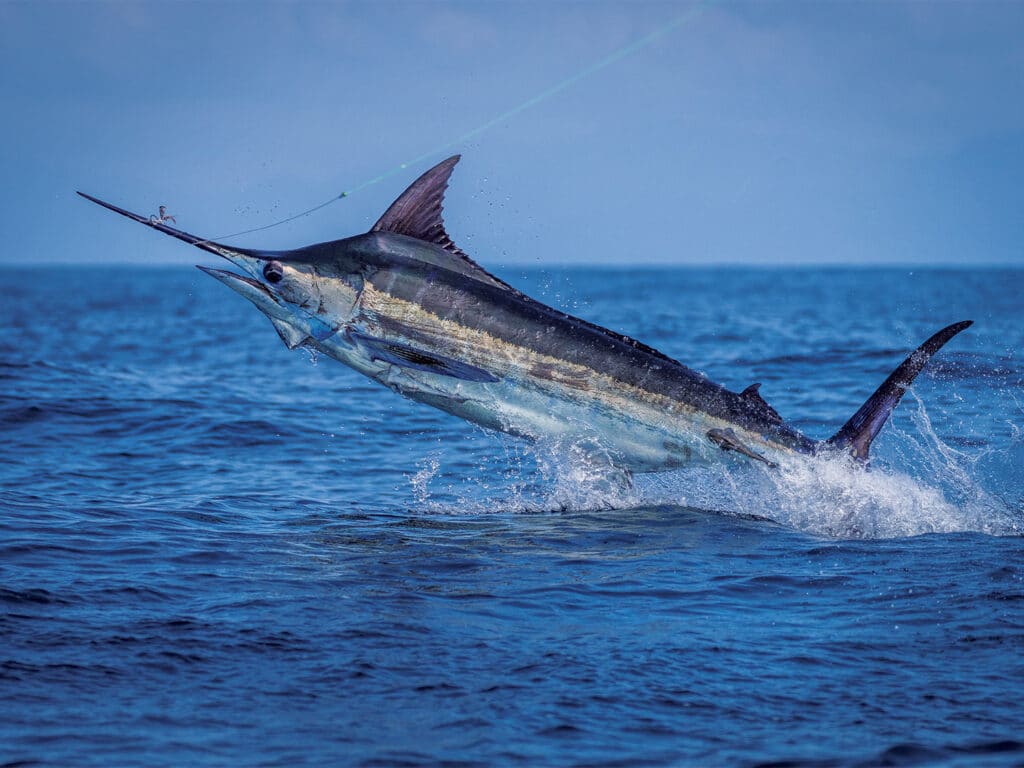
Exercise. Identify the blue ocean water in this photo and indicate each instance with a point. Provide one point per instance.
(214, 551)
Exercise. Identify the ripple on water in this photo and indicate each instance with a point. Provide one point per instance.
(214, 553)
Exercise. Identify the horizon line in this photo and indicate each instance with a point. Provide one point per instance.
(607, 265)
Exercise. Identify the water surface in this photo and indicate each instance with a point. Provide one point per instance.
(215, 551)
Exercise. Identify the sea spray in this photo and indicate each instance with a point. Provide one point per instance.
(830, 496)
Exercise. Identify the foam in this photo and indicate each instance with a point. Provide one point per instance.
(823, 496)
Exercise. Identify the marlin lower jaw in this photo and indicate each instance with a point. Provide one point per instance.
(254, 291)
(294, 327)
(283, 320)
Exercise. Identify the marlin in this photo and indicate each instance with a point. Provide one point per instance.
(405, 306)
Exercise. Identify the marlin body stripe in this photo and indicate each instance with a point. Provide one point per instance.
(405, 306)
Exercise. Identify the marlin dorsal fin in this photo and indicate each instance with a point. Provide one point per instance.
(418, 213)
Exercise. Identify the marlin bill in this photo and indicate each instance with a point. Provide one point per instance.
(405, 306)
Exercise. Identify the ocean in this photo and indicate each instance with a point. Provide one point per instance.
(214, 551)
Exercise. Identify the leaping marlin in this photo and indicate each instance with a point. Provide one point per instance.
(405, 306)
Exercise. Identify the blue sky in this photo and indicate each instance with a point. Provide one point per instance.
(764, 133)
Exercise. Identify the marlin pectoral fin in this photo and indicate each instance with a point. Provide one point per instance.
(405, 356)
(728, 440)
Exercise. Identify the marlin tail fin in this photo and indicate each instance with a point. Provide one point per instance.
(857, 434)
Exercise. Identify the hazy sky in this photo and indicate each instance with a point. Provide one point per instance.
(755, 132)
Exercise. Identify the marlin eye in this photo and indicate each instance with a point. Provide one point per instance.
(273, 272)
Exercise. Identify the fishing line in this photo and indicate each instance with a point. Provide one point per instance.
(544, 95)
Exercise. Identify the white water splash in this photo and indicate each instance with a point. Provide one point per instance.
(832, 497)
(574, 478)
(420, 481)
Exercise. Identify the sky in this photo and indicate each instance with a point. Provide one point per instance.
(749, 133)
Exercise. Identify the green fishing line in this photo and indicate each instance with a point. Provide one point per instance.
(544, 95)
